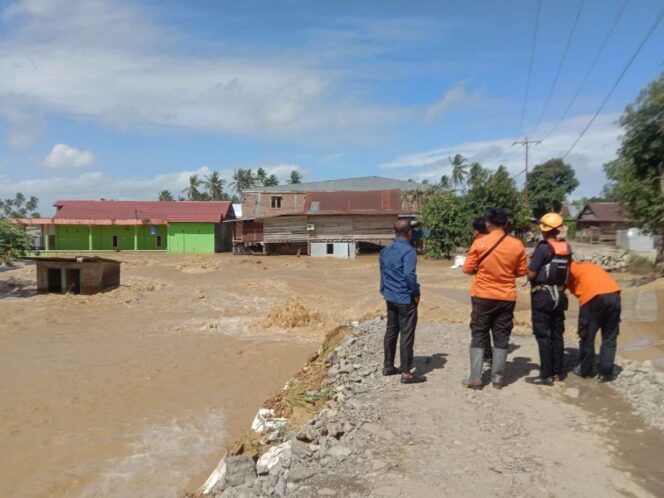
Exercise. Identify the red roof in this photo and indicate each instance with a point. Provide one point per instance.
(171, 211)
(377, 201)
(604, 211)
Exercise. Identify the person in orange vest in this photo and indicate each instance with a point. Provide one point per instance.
(495, 261)
(599, 297)
(548, 273)
(479, 231)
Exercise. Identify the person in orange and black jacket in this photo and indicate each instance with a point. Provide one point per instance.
(548, 272)
(495, 261)
(479, 231)
(599, 297)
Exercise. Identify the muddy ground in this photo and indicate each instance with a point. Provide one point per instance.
(135, 392)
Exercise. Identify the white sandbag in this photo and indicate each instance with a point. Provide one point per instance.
(458, 261)
(265, 421)
(272, 457)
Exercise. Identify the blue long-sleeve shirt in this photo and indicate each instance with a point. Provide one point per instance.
(398, 277)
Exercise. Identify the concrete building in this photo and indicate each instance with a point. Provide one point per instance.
(79, 275)
(174, 226)
(330, 218)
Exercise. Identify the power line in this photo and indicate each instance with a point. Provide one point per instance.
(615, 85)
(591, 68)
(530, 67)
(560, 66)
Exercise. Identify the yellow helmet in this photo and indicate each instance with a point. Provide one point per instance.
(551, 221)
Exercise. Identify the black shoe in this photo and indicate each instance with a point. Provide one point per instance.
(604, 378)
(577, 371)
(413, 379)
(540, 381)
(559, 377)
(391, 371)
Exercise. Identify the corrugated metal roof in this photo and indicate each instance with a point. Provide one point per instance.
(361, 184)
(378, 201)
(171, 211)
(604, 211)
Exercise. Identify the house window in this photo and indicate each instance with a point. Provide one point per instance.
(276, 201)
(158, 240)
(114, 244)
(329, 249)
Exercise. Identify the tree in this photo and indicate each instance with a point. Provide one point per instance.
(165, 195)
(243, 179)
(549, 184)
(266, 180)
(295, 177)
(193, 194)
(214, 184)
(32, 205)
(14, 242)
(459, 171)
(448, 219)
(445, 182)
(495, 189)
(19, 200)
(637, 176)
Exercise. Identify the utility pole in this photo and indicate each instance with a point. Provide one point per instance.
(525, 142)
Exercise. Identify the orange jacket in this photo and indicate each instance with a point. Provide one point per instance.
(587, 280)
(496, 276)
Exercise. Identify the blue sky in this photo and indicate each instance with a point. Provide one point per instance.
(120, 99)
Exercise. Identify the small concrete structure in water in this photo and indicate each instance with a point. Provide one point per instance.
(78, 275)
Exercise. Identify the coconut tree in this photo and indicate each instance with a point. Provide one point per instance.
(165, 195)
(243, 179)
(295, 177)
(193, 194)
(459, 169)
(214, 184)
(19, 200)
(32, 204)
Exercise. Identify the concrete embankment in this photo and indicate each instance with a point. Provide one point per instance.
(372, 436)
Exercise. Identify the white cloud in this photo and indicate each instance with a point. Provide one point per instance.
(140, 75)
(97, 185)
(454, 95)
(598, 146)
(65, 157)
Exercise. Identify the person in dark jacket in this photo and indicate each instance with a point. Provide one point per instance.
(399, 288)
(548, 272)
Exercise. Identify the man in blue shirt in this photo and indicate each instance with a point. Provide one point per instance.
(399, 287)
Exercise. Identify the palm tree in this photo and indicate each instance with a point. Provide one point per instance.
(193, 194)
(295, 177)
(215, 186)
(445, 181)
(19, 200)
(165, 195)
(243, 179)
(477, 175)
(459, 172)
(261, 176)
(271, 181)
(32, 204)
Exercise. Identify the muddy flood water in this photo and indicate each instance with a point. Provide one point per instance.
(137, 391)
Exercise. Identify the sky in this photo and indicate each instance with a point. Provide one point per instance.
(119, 99)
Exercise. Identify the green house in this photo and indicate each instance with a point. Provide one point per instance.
(173, 226)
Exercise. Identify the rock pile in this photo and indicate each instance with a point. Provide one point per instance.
(320, 448)
(643, 385)
(609, 258)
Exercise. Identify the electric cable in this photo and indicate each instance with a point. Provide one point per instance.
(590, 69)
(617, 82)
(560, 66)
(530, 67)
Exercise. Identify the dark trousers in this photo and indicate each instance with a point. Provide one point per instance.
(401, 319)
(601, 312)
(549, 327)
(491, 317)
